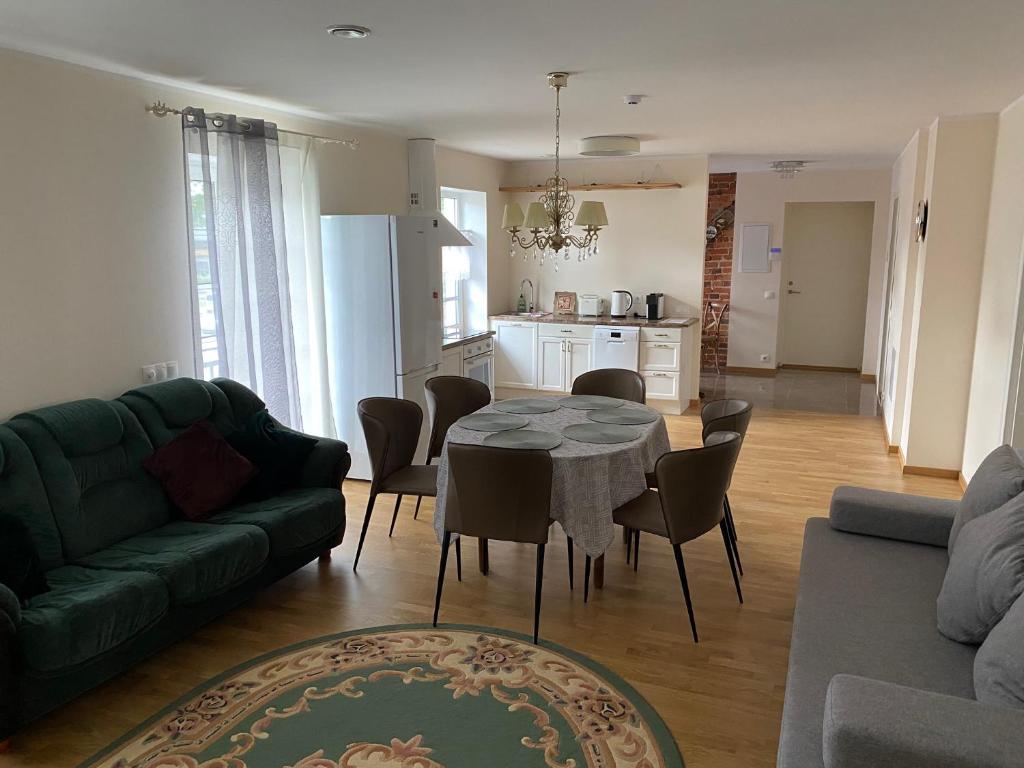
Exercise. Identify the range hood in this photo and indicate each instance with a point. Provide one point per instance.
(423, 191)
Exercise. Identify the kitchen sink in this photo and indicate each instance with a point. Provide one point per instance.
(529, 314)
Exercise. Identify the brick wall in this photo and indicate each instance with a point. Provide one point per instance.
(718, 264)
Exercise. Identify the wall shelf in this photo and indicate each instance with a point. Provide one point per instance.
(601, 187)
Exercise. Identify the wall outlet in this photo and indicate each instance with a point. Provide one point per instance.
(148, 374)
(161, 371)
(765, 358)
(172, 369)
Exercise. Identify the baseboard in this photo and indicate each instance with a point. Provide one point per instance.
(868, 378)
(824, 368)
(766, 372)
(886, 439)
(946, 474)
(963, 481)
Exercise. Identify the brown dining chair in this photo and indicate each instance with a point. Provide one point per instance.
(392, 430)
(689, 502)
(449, 398)
(502, 494)
(611, 382)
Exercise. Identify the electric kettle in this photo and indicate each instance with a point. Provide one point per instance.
(621, 303)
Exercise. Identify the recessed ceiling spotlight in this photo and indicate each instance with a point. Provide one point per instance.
(349, 31)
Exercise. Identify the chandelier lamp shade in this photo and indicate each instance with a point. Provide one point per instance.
(547, 226)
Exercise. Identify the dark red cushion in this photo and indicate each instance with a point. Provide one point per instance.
(199, 470)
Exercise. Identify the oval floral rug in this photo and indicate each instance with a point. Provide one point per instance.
(406, 696)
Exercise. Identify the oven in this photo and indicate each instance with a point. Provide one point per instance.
(478, 361)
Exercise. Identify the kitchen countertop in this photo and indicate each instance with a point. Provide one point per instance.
(457, 340)
(643, 322)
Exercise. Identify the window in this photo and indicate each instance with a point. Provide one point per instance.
(453, 272)
(204, 271)
(464, 269)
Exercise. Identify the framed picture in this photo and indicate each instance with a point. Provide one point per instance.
(565, 303)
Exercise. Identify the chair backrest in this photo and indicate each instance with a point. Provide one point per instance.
(391, 427)
(692, 485)
(449, 398)
(611, 382)
(725, 416)
(499, 493)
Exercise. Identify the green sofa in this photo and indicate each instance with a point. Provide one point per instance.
(127, 575)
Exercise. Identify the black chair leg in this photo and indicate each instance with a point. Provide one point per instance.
(416, 514)
(539, 590)
(458, 557)
(629, 543)
(636, 550)
(732, 534)
(678, 549)
(586, 579)
(366, 525)
(571, 568)
(445, 543)
(394, 516)
(732, 561)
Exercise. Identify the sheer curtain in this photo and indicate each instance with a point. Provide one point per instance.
(242, 315)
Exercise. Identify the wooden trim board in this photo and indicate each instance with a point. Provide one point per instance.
(886, 439)
(963, 481)
(824, 368)
(766, 372)
(951, 474)
(868, 378)
(600, 187)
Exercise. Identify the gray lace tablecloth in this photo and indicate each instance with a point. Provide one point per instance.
(589, 480)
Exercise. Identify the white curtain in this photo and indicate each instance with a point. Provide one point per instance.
(301, 185)
(242, 312)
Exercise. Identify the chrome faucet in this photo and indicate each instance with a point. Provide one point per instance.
(533, 297)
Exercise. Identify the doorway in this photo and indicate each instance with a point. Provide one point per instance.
(827, 257)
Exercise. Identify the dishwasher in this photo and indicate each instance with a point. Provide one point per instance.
(617, 347)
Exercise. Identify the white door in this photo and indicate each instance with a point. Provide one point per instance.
(580, 359)
(551, 353)
(515, 355)
(827, 254)
(416, 268)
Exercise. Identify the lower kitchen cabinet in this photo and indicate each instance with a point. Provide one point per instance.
(515, 354)
(451, 362)
(661, 385)
(561, 360)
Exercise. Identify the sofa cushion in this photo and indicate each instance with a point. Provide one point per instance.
(294, 520)
(999, 665)
(985, 574)
(167, 408)
(277, 452)
(866, 606)
(89, 454)
(194, 560)
(20, 568)
(199, 470)
(998, 479)
(22, 495)
(85, 613)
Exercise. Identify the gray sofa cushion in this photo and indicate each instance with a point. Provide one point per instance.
(999, 665)
(985, 574)
(917, 519)
(866, 606)
(999, 478)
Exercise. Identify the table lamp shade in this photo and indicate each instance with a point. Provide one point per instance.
(513, 216)
(537, 217)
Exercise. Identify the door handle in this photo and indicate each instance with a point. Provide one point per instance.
(790, 290)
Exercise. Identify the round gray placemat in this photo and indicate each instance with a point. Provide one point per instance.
(624, 415)
(592, 432)
(492, 422)
(527, 405)
(589, 402)
(524, 439)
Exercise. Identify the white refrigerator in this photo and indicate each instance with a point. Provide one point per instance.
(382, 286)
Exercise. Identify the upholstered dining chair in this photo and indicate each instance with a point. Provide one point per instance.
(502, 494)
(391, 427)
(449, 398)
(689, 502)
(611, 382)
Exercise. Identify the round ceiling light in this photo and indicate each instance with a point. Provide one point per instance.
(609, 146)
(349, 31)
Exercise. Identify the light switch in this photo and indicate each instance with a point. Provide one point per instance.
(769, 295)
(161, 371)
(172, 369)
(148, 374)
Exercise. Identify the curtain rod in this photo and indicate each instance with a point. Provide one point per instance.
(160, 109)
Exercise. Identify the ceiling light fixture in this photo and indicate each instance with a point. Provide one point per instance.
(609, 146)
(348, 31)
(550, 220)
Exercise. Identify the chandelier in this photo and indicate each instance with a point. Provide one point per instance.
(550, 220)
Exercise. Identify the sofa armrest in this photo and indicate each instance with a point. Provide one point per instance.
(870, 723)
(10, 606)
(326, 465)
(887, 515)
(9, 699)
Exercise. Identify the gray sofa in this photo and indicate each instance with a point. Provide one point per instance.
(871, 681)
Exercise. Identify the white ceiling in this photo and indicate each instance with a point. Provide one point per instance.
(794, 78)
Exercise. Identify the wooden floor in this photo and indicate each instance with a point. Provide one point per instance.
(722, 699)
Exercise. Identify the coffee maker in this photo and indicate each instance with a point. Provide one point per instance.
(655, 306)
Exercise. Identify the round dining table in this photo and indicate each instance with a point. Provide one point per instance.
(589, 480)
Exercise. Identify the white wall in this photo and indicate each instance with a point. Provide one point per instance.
(958, 182)
(93, 252)
(761, 197)
(654, 242)
(999, 296)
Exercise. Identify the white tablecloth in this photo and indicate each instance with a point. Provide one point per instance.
(589, 480)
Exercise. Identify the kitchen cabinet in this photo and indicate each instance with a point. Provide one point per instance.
(451, 362)
(515, 354)
(560, 360)
(661, 385)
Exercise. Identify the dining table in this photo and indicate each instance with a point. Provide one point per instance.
(589, 480)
